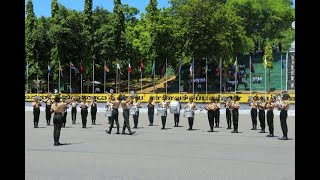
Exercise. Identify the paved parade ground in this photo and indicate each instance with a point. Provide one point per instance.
(152, 154)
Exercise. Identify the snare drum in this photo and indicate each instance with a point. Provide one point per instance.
(174, 107)
(109, 112)
(162, 111)
(189, 113)
(133, 111)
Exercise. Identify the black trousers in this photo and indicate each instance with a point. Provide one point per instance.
(114, 118)
(57, 124)
(262, 119)
(270, 117)
(217, 117)
(211, 119)
(84, 115)
(176, 118)
(36, 115)
(48, 113)
(126, 124)
(228, 117)
(190, 120)
(135, 119)
(163, 120)
(283, 121)
(74, 114)
(235, 118)
(64, 118)
(254, 117)
(93, 114)
(151, 115)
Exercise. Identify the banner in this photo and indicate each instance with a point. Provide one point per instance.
(198, 98)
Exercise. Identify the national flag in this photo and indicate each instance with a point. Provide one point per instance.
(82, 69)
(106, 68)
(163, 70)
(141, 66)
(129, 68)
(252, 66)
(73, 67)
(265, 63)
(218, 70)
(153, 68)
(60, 71)
(191, 69)
(118, 66)
(48, 68)
(282, 64)
(235, 66)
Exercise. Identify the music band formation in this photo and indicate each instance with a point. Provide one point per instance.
(260, 108)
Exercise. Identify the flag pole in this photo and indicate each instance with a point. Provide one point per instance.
(265, 77)
(70, 78)
(59, 76)
(116, 79)
(128, 77)
(287, 71)
(193, 77)
(235, 76)
(81, 71)
(92, 76)
(119, 83)
(250, 71)
(154, 74)
(104, 77)
(27, 77)
(206, 78)
(179, 76)
(48, 77)
(281, 71)
(220, 73)
(37, 77)
(166, 77)
(141, 78)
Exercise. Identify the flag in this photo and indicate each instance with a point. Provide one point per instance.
(153, 68)
(27, 70)
(265, 63)
(218, 70)
(73, 67)
(106, 68)
(129, 68)
(235, 66)
(118, 66)
(191, 69)
(141, 66)
(164, 70)
(48, 68)
(252, 67)
(82, 69)
(282, 64)
(60, 70)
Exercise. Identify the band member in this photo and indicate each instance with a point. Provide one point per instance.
(114, 104)
(164, 104)
(284, 107)
(253, 103)
(125, 104)
(109, 105)
(150, 106)
(192, 106)
(262, 114)
(36, 111)
(48, 102)
(228, 111)
(176, 114)
(235, 113)
(57, 108)
(84, 111)
(217, 112)
(93, 106)
(270, 116)
(64, 113)
(74, 105)
(137, 104)
(210, 108)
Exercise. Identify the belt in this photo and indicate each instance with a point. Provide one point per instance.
(58, 113)
(284, 110)
(115, 109)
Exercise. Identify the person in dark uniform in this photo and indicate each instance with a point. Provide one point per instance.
(84, 111)
(253, 103)
(137, 104)
(176, 115)
(262, 114)
(210, 108)
(48, 102)
(270, 106)
(74, 105)
(64, 113)
(164, 104)
(114, 104)
(191, 106)
(36, 111)
(235, 113)
(284, 107)
(125, 104)
(57, 108)
(93, 110)
(217, 111)
(150, 106)
(228, 111)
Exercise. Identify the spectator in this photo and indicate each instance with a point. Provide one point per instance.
(259, 79)
(97, 90)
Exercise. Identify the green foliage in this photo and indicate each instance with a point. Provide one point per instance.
(269, 55)
(30, 37)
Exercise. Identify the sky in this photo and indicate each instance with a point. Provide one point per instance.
(43, 7)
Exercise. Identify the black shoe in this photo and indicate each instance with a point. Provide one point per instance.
(57, 144)
(132, 132)
(118, 132)
(252, 128)
(285, 138)
(123, 132)
(135, 127)
(270, 135)
(233, 131)
(211, 130)
(150, 125)
(109, 132)
(260, 131)
(162, 128)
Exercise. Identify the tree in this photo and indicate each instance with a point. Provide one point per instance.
(88, 32)
(268, 55)
(119, 33)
